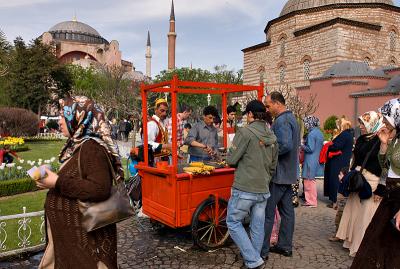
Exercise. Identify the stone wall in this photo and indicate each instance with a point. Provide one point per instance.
(323, 47)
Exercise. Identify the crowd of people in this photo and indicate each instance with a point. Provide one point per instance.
(265, 154)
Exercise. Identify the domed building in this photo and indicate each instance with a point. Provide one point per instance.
(310, 37)
(79, 43)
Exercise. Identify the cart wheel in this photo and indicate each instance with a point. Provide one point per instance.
(206, 233)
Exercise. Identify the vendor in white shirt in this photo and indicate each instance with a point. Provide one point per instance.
(157, 132)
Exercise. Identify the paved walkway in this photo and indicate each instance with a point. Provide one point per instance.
(142, 247)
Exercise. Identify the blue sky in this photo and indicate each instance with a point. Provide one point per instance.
(210, 32)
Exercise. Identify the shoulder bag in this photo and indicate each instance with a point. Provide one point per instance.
(357, 179)
(115, 209)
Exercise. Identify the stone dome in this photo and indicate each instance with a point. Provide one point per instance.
(352, 69)
(294, 5)
(74, 27)
(76, 31)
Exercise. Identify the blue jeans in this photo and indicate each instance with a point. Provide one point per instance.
(281, 196)
(198, 159)
(240, 205)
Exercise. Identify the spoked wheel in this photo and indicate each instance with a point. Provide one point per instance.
(209, 228)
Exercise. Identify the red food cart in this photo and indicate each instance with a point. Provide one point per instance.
(182, 199)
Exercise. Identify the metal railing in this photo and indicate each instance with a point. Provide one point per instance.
(51, 135)
(24, 233)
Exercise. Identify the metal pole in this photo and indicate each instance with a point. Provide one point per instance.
(224, 119)
(174, 123)
(144, 120)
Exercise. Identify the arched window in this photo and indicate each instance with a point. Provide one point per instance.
(306, 69)
(261, 72)
(392, 40)
(392, 62)
(282, 42)
(367, 61)
(282, 73)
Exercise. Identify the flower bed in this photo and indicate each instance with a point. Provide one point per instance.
(14, 178)
(45, 137)
(15, 143)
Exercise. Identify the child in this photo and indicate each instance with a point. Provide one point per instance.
(6, 155)
(341, 201)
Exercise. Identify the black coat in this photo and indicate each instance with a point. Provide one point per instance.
(343, 142)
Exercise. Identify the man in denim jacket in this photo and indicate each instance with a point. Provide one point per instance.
(287, 132)
(254, 153)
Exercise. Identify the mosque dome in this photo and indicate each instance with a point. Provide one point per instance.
(76, 31)
(352, 69)
(294, 5)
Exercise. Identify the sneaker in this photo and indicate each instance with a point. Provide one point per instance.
(141, 214)
(262, 266)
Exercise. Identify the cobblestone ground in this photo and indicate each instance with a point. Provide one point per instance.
(141, 246)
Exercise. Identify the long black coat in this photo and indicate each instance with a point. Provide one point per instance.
(343, 142)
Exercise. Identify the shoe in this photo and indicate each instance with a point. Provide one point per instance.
(286, 253)
(308, 205)
(334, 239)
(265, 258)
(141, 214)
(260, 266)
(295, 204)
(330, 205)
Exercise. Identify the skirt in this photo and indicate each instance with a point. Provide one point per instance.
(357, 215)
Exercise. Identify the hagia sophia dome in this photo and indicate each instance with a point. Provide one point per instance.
(295, 5)
(76, 31)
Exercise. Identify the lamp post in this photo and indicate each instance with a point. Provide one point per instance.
(208, 99)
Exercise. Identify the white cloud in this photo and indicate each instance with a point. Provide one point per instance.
(20, 3)
(139, 10)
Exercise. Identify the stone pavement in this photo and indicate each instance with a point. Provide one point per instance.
(141, 246)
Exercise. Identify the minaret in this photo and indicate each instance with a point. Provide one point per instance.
(171, 39)
(148, 56)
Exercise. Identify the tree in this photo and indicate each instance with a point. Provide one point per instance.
(5, 49)
(330, 124)
(108, 86)
(199, 101)
(36, 77)
(301, 108)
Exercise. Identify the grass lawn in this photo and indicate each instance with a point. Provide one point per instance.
(33, 201)
(12, 205)
(42, 150)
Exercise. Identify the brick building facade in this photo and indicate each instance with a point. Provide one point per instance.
(309, 37)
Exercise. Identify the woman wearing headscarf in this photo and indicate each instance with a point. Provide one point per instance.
(357, 213)
(89, 142)
(311, 166)
(339, 155)
(381, 243)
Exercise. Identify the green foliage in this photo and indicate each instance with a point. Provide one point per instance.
(197, 101)
(36, 77)
(330, 123)
(4, 66)
(109, 87)
(16, 186)
(327, 135)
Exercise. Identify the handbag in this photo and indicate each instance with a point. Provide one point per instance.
(115, 209)
(357, 179)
